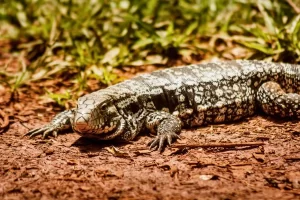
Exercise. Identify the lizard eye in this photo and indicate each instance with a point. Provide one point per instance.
(103, 107)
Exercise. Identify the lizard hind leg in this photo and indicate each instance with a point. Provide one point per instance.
(167, 127)
(273, 100)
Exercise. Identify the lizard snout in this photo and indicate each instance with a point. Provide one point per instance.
(80, 124)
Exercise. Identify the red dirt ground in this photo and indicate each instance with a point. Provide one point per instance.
(70, 167)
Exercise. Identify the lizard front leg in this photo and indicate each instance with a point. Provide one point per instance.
(167, 127)
(62, 121)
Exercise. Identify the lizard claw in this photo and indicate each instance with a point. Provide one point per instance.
(159, 142)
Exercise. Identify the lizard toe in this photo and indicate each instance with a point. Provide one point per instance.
(153, 144)
(162, 142)
(48, 131)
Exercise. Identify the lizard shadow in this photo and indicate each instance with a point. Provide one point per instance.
(86, 144)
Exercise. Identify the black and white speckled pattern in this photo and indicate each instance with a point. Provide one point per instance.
(193, 95)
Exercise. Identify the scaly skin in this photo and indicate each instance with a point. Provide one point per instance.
(194, 95)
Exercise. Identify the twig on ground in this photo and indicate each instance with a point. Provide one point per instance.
(292, 158)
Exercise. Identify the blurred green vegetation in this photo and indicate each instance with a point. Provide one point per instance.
(86, 39)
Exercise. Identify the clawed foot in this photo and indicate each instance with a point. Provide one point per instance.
(167, 127)
(60, 122)
(159, 142)
(45, 131)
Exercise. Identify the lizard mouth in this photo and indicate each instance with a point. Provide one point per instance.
(103, 132)
(95, 132)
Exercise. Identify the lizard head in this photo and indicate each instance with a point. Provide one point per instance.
(96, 116)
